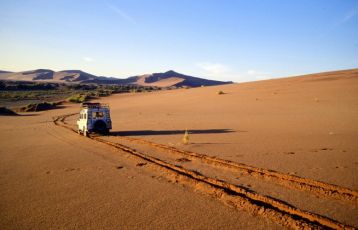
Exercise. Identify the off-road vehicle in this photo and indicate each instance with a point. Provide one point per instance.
(94, 117)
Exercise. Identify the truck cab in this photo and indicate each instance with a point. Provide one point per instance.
(94, 117)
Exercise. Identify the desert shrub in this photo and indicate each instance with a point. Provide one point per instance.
(221, 92)
(186, 137)
(103, 93)
(77, 98)
(7, 112)
(34, 107)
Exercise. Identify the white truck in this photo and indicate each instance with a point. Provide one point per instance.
(94, 117)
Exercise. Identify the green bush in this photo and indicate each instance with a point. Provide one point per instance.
(77, 98)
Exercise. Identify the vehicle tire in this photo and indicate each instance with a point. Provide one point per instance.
(100, 127)
(106, 132)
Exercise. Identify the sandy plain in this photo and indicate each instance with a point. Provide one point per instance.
(287, 152)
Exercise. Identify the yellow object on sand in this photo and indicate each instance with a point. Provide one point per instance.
(186, 137)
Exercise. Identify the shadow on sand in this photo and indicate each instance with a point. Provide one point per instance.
(30, 114)
(170, 132)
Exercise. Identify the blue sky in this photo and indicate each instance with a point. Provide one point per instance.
(225, 40)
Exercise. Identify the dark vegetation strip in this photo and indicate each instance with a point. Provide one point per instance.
(44, 95)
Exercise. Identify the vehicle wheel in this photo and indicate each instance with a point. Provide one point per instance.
(100, 127)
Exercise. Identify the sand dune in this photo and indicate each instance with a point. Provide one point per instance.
(166, 79)
(167, 82)
(268, 154)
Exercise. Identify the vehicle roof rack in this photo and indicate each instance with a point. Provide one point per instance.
(94, 105)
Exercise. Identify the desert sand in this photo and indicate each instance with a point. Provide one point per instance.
(269, 154)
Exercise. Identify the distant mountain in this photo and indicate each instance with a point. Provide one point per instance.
(48, 75)
(3, 71)
(167, 79)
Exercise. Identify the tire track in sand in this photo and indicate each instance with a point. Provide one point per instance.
(290, 181)
(238, 197)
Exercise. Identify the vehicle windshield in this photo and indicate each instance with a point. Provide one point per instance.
(97, 114)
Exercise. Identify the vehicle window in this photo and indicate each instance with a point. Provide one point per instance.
(97, 114)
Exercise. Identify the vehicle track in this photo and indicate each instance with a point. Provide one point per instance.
(291, 181)
(238, 197)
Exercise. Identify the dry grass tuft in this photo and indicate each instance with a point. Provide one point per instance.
(186, 137)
